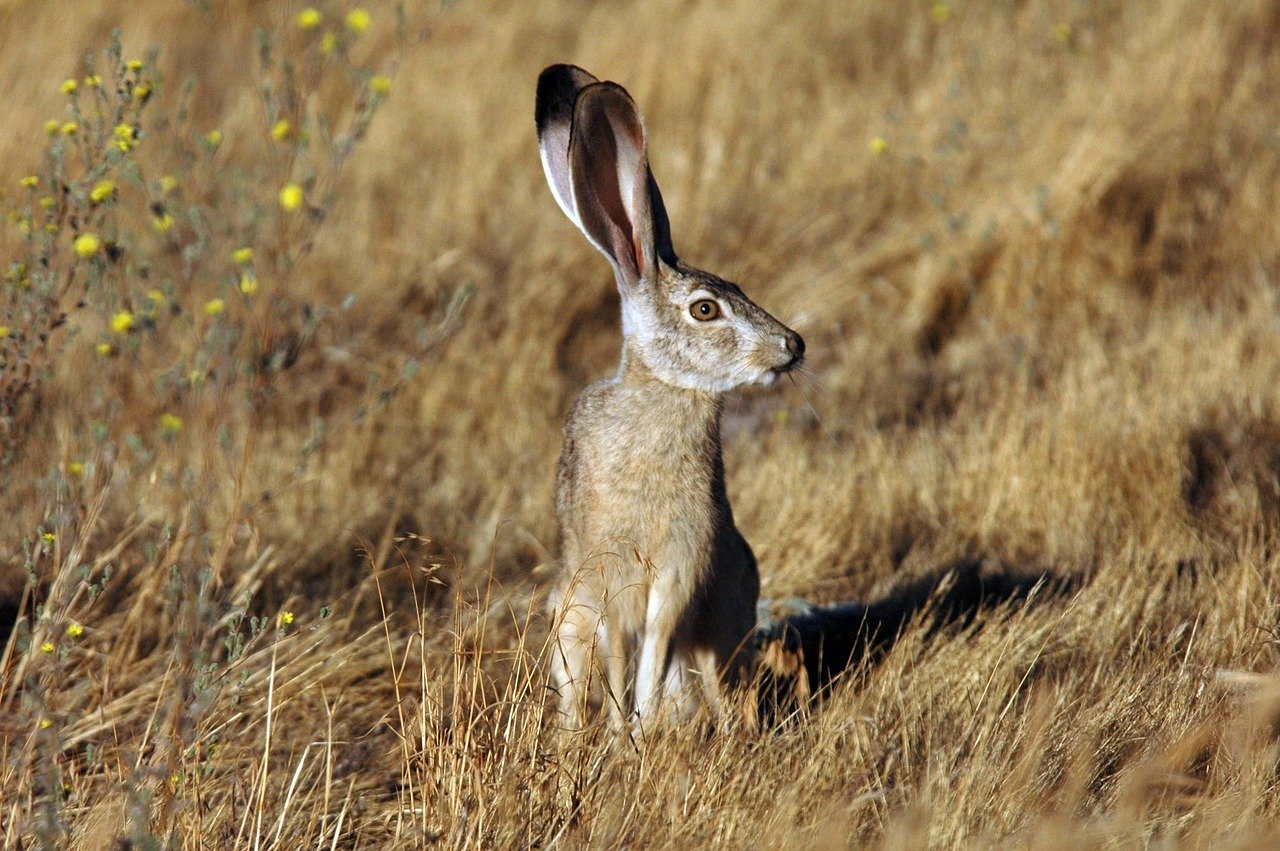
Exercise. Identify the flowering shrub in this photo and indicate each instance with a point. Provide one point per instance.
(134, 237)
(138, 248)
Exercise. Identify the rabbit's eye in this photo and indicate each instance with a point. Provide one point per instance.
(704, 309)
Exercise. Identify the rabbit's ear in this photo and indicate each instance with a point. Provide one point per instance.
(558, 88)
(661, 224)
(614, 194)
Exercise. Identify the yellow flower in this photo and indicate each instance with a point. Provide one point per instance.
(93, 81)
(248, 283)
(357, 20)
(30, 181)
(328, 42)
(5, 332)
(242, 255)
(284, 618)
(48, 537)
(75, 630)
(87, 244)
(941, 13)
(134, 65)
(380, 85)
(878, 145)
(70, 128)
(126, 137)
(51, 126)
(162, 223)
(141, 91)
(214, 138)
(214, 306)
(280, 130)
(75, 468)
(69, 87)
(157, 297)
(168, 183)
(170, 424)
(46, 203)
(122, 322)
(103, 349)
(101, 191)
(309, 18)
(47, 647)
(291, 197)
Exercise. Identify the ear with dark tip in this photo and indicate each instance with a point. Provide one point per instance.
(611, 181)
(661, 225)
(558, 89)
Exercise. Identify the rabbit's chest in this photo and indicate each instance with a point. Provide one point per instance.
(642, 471)
(654, 493)
(652, 476)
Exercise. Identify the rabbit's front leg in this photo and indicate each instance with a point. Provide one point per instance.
(655, 652)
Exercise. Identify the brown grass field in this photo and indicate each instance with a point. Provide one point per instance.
(1033, 247)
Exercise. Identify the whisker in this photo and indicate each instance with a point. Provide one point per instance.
(803, 371)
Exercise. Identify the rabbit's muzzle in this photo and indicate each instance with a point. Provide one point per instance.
(790, 355)
(795, 348)
(794, 345)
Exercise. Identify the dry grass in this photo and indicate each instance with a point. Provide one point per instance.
(1042, 318)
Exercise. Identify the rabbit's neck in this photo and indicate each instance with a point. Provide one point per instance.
(635, 373)
(669, 421)
(659, 360)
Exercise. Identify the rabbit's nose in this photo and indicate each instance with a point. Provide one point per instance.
(795, 345)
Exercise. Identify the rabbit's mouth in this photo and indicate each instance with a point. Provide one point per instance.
(796, 350)
(769, 376)
(793, 344)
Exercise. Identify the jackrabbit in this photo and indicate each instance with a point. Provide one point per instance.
(652, 562)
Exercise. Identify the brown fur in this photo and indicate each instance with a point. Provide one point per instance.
(655, 573)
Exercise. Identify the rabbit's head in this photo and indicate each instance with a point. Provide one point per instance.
(690, 328)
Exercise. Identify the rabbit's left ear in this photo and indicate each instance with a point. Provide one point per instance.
(558, 88)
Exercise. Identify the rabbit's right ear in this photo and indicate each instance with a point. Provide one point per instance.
(558, 89)
(594, 154)
(614, 193)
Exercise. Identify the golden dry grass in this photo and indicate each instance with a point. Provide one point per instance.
(1042, 321)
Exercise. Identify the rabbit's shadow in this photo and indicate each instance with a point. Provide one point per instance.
(804, 648)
